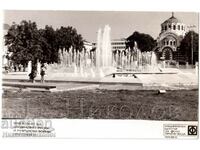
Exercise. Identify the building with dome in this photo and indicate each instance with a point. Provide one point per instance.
(168, 41)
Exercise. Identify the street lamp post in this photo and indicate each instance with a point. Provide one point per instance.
(192, 41)
(192, 48)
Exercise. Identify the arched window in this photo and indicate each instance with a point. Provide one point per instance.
(178, 27)
(170, 42)
(182, 27)
(174, 27)
(167, 42)
(165, 27)
(174, 43)
(163, 42)
(170, 26)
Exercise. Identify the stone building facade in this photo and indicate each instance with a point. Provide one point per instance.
(169, 39)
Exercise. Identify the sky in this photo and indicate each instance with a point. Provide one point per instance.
(87, 23)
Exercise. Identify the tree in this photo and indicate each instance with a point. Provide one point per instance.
(69, 38)
(23, 42)
(49, 45)
(190, 43)
(144, 41)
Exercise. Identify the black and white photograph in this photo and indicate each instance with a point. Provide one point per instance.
(102, 65)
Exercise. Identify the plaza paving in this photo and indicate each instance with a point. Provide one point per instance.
(183, 79)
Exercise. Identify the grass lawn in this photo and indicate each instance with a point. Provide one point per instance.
(102, 104)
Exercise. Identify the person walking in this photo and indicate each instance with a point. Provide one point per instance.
(42, 73)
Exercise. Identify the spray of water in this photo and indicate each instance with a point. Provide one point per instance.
(101, 63)
(103, 50)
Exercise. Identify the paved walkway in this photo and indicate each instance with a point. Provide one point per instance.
(37, 86)
(64, 78)
(182, 79)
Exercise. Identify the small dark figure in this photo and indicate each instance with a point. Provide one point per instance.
(113, 76)
(19, 67)
(32, 76)
(6, 69)
(42, 73)
(15, 68)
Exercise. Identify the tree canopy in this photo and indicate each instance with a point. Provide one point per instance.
(68, 37)
(144, 41)
(23, 42)
(49, 45)
(190, 40)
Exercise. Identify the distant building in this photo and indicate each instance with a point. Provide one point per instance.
(116, 44)
(119, 51)
(88, 45)
(169, 39)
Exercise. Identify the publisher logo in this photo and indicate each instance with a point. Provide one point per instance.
(192, 130)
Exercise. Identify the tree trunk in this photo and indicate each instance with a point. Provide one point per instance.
(24, 68)
(33, 73)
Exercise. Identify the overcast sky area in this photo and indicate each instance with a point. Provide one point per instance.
(87, 23)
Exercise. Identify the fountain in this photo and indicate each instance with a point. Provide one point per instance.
(138, 61)
(100, 63)
(104, 52)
